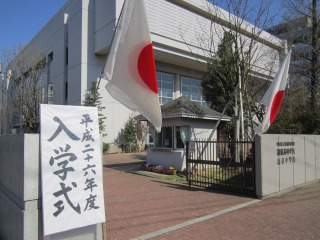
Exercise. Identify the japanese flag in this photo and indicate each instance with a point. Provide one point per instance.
(130, 67)
(273, 97)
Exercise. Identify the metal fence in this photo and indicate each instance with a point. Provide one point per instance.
(228, 165)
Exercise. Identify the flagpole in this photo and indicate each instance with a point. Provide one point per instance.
(241, 111)
(114, 33)
(98, 83)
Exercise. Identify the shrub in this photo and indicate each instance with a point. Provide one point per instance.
(105, 147)
(127, 138)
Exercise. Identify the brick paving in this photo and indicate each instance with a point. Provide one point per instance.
(139, 205)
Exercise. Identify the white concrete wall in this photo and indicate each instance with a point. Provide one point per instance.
(285, 161)
(178, 26)
(104, 24)
(169, 158)
(20, 214)
(199, 129)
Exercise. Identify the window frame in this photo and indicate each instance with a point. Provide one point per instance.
(160, 138)
(174, 138)
(161, 89)
(191, 86)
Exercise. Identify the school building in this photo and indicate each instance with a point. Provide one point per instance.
(77, 39)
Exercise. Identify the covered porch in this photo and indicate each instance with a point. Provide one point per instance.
(182, 120)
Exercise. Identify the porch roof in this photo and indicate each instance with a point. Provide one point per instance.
(185, 108)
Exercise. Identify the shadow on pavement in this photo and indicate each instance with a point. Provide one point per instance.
(185, 187)
(121, 165)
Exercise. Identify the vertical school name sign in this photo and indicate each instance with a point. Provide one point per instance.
(71, 168)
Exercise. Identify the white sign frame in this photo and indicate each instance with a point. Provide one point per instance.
(71, 168)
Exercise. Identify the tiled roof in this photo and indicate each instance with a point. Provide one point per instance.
(183, 107)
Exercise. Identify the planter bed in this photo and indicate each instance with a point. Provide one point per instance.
(149, 169)
(159, 169)
(170, 172)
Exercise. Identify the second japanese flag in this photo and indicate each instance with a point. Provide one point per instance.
(273, 97)
(130, 68)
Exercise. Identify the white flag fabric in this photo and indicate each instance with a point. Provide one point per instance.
(130, 68)
(273, 97)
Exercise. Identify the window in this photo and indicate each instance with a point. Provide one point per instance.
(165, 85)
(43, 95)
(150, 140)
(172, 137)
(67, 56)
(191, 89)
(66, 90)
(50, 93)
(182, 135)
(164, 138)
(49, 79)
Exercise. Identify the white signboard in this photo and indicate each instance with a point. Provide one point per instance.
(71, 168)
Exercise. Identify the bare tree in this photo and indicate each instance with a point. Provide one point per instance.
(26, 85)
(142, 133)
(300, 111)
(254, 58)
(303, 20)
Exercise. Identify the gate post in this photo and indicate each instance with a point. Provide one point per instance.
(20, 201)
(187, 163)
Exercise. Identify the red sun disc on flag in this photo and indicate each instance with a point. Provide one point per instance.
(147, 68)
(276, 103)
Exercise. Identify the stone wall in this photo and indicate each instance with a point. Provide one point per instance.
(284, 162)
(20, 214)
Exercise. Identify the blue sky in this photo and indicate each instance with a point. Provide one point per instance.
(20, 20)
(275, 12)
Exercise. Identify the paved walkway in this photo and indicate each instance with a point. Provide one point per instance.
(141, 207)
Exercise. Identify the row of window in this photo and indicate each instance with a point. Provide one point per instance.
(190, 88)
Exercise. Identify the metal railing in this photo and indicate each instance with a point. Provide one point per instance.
(228, 165)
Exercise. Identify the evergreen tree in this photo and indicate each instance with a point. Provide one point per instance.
(219, 81)
(127, 139)
(92, 98)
